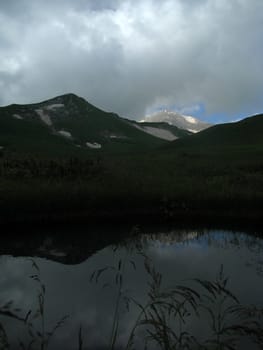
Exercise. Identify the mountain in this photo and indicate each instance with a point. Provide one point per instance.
(180, 121)
(162, 130)
(74, 246)
(246, 133)
(69, 124)
(216, 174)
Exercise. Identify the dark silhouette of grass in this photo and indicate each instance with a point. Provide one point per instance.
(165, 317)
(34, 320)
(163, 321)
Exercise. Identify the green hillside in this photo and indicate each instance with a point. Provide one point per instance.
(245, 133)
(30, 137)
(69, 125)
(216, 174)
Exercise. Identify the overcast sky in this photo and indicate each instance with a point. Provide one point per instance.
(200, 57)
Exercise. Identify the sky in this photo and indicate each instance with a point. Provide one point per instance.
(134, 57)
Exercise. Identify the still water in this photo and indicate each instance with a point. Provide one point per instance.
(175, 288)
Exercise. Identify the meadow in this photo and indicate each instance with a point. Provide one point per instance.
(168, 184)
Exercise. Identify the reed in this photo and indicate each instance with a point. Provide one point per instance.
(163, 322)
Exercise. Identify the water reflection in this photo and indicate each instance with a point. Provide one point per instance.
(104, 293)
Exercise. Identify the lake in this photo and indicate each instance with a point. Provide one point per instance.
(195, 288)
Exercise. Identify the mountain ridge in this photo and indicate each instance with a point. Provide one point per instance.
(73, 122)
(242, 133)
(213, 175)
(185, 122)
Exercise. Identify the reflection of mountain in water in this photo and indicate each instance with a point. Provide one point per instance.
(76, 247)
(172, 237)
(66, 248)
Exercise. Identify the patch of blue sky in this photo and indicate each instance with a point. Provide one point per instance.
(199, 111)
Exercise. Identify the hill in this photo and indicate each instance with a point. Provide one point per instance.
(181, 121)
(69, 125)
(242, 134)
(215, 175)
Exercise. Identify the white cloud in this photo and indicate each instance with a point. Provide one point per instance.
(128, 56)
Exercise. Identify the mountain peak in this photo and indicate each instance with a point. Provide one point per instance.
(186, 122)
(66, 99)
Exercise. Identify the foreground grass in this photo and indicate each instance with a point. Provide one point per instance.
(163, 322)
(168, 184)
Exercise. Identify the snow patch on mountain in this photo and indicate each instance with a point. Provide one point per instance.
(55, 106)
(184, 122)
(17, 116)
(158, 132)
(189, 119)
(65, 133)
(93, 145)
(119, 137)
(44, 117)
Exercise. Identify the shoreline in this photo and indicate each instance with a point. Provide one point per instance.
(233, 220)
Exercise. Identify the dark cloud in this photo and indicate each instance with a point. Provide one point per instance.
(130, 56)
(100, 4)
(13, 7)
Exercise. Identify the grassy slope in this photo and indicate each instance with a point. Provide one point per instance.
(85, 122)
(172, 128)
(217, 173)
(98, 127)
(246, 133)
(18, 136)
(91, 124)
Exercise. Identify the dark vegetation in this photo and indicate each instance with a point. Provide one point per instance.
(214, 175)
(169, 184)
(85, 122)
(163, 322)
(164, 319)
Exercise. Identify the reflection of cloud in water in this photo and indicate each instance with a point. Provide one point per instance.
(172, 237)
(14, 280)
(69, 291)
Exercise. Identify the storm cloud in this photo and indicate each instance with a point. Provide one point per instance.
(133, 56)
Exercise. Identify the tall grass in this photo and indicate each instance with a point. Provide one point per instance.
(166, 315)
(167, 185)
(34, 321)
(163, 322)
